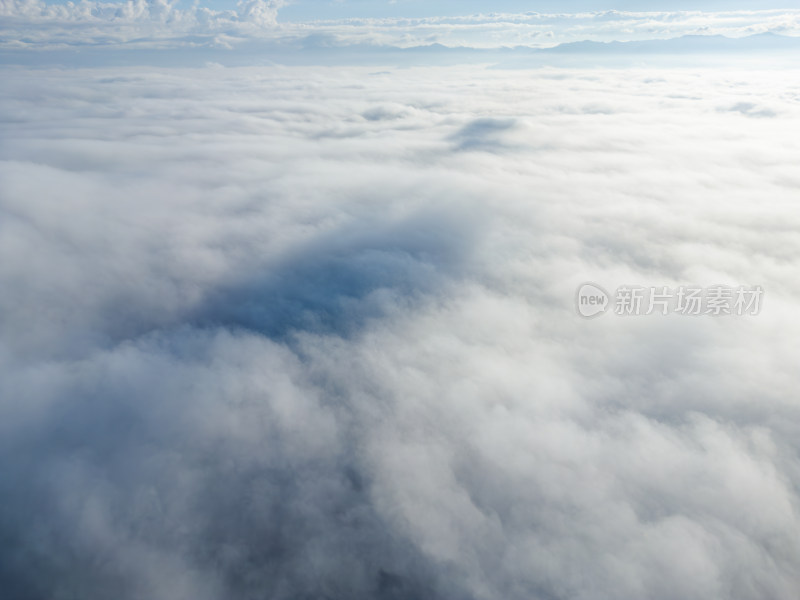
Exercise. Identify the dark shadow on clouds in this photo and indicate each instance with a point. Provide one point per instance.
(169, 463)
(144, 491)
(750, 109)
(341, 280)
(484, 134)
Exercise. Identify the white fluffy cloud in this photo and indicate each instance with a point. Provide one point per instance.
(35, 24)
(141, 24)
(305, 333)
(544, 30)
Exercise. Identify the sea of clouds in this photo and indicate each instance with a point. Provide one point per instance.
(309, 333)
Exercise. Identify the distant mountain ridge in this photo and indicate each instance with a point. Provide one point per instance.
(679, 45)
(328, 49)
(683, 44)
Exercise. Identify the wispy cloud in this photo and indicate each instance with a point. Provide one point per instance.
(159, 23)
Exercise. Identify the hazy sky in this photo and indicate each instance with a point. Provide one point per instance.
(308, 10)
(275, 31)
(324, 9)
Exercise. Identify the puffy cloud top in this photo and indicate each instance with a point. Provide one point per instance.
(310, 333)
(152, 24)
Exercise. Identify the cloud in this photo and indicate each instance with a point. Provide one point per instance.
(483, 133)
(35, 25)
(261, 12)
(141, 24)
(309, 333)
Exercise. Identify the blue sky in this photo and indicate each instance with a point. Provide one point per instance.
(328, 9)
(308, 10)
(398, 23)
(311, 9)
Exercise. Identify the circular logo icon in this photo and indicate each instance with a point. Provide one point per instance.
(591, 300)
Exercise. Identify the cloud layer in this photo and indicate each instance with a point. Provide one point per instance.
(159, 24)
(309, 333)
(135, 24)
